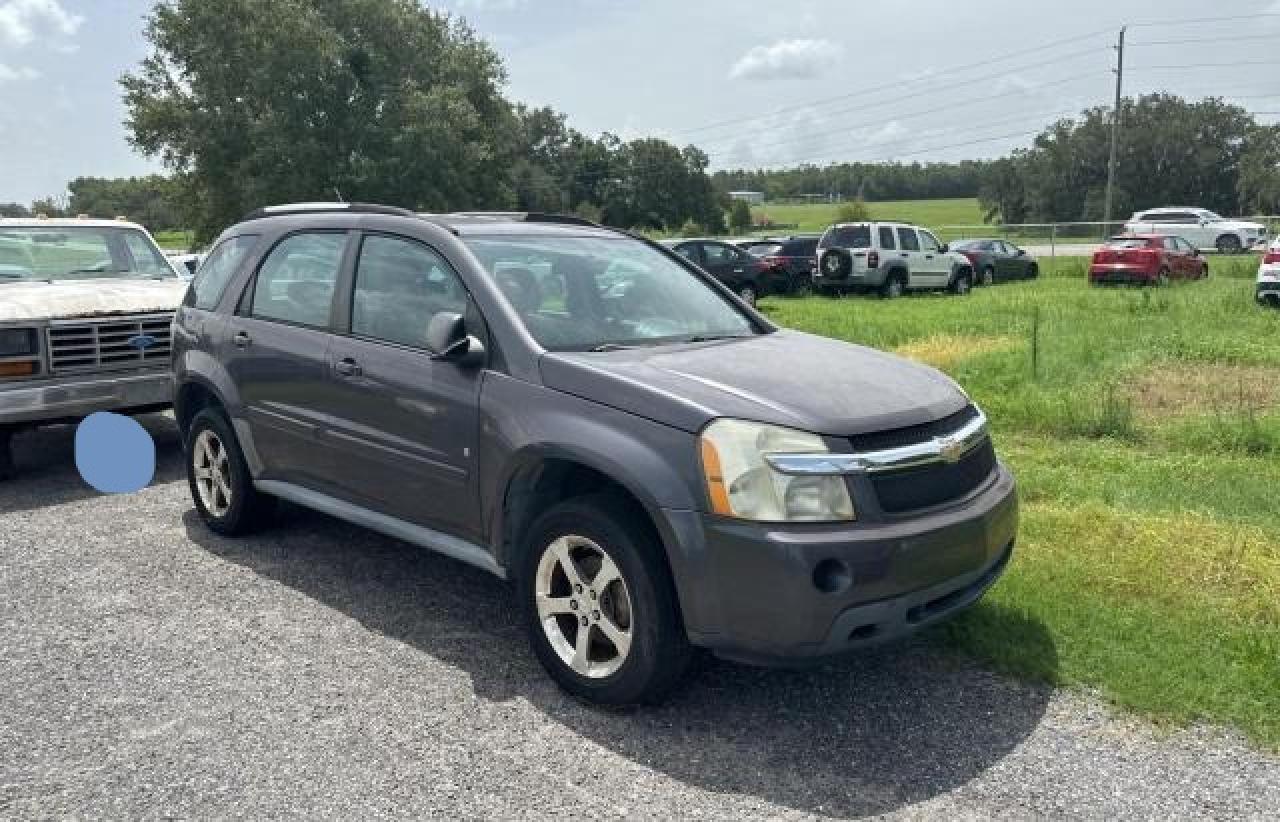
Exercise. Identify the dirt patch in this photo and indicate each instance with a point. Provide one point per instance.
(1195, 389)
(941, 350)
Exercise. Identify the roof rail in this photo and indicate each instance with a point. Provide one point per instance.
(528, 217)
(287, 209)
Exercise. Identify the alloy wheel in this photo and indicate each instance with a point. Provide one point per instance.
(584, 606)
(748, 294)
(212, 469)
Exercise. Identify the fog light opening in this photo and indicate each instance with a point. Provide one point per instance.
(863, 632)
(831, 576)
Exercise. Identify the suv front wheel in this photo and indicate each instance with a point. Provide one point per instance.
(221, 487)
(962, 284)
(600, 604)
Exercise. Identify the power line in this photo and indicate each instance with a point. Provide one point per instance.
(893, 85)
(920, 112)
(1194, 20)
(946, 87)
(1201, 40)
(1210, 65)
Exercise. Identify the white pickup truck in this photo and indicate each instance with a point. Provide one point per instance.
(85, 310)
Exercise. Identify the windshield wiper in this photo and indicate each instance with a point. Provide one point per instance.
(610, 347)
(697, 338)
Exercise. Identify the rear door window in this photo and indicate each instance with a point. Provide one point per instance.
(886, 238)
(907, 237)
(717, 254)
(296, 282)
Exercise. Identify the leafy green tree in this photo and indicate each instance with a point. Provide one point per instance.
(264, 101)
(1259, 184)
(150, 200)
(854, 211)
(740, 217)
(14, 210)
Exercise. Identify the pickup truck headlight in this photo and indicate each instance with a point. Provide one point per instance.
(742, 484)
(17, 342)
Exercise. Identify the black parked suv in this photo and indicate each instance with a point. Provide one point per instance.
(655, 466)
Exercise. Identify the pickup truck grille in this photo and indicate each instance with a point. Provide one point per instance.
(77, 346)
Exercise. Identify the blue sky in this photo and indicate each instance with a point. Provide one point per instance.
(854, 79)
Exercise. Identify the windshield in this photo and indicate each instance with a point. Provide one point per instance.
(1128, 242)
(1211, 217)
(79, 253)
(594, 293)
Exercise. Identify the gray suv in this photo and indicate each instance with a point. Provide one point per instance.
(655, 466)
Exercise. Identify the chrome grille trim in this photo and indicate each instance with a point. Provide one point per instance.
(945, 449)
(104, 344)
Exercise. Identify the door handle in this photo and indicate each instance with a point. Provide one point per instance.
(347, 367)
(242, 339)
(904, 254)
(928, 256)
(737, 271)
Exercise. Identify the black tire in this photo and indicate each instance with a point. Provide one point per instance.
(988, 275)
(248, 509)
(659, 652)
(1229, 244)
(1204, 271)
(895, 285)
(835, 263)
(1033, 271)
(962, 284)
(1162, 278)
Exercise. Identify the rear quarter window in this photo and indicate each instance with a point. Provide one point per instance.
(852, 236)
(219, 267)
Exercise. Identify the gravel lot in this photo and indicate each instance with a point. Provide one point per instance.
(150, 669)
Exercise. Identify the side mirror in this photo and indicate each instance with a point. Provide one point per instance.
(447, 338)
(945, 248)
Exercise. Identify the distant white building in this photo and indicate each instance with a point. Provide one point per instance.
(752, 197)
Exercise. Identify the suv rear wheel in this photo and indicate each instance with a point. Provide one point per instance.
(1229, 244)
(962, 283)
(894, 286)
(221, 487)
(600, 604)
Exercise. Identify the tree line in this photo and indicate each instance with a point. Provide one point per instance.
(254, 102)
(867, 181)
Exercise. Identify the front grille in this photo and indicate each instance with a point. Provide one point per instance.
(934, 484)
(108, 344)
(898, 437)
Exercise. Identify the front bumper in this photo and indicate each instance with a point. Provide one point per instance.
(763, 592)
(60, 398)
(1120, 273)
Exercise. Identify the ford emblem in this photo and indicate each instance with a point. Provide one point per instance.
(141, 342)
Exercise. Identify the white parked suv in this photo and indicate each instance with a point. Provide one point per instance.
(1269, 276)
(85, 310)
(1203, 229)
(888, 258)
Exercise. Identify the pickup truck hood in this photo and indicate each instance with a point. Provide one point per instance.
(787, 378)
(87, 298)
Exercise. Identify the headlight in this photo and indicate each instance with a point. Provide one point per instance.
(17, 342)
(742, 484)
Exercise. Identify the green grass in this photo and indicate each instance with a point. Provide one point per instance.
(816, 217)
(1149, 552)
(173, 240)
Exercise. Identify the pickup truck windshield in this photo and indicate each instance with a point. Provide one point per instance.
(57, 252)
(597, 294)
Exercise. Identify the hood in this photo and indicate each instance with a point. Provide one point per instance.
(87, 298)
(787, 378)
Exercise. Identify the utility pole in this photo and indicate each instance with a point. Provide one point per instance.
(1115, 129)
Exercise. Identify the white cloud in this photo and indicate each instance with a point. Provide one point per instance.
(490, 5)
(22, 20)
(786, 59)
(19, 73)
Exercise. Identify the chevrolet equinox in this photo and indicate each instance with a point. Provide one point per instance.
(654, 466)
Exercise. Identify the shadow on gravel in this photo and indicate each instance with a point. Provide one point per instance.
(46, 462)
(869, 734)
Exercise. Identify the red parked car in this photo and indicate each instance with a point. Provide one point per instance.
(1150, 259)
